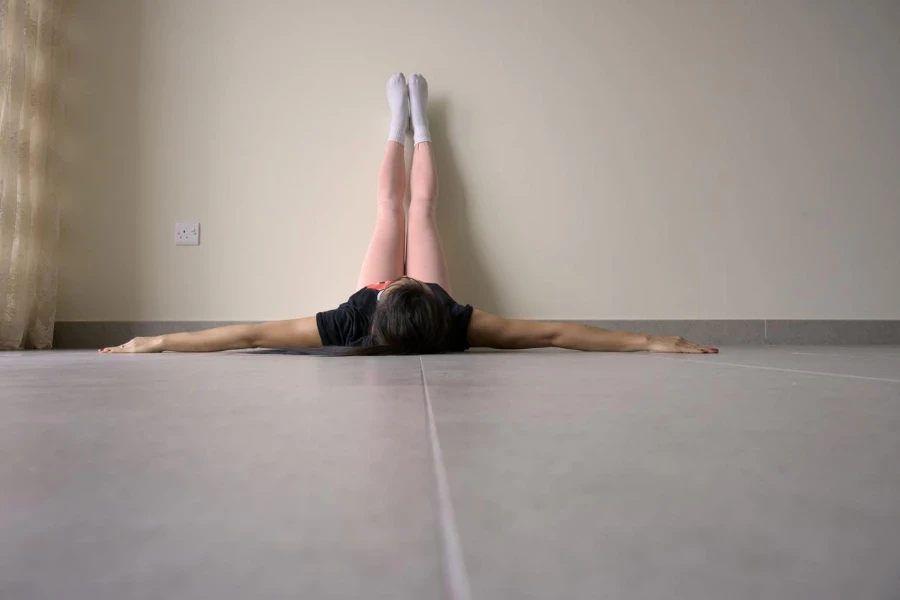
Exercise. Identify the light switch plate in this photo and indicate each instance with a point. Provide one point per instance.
(187, 234)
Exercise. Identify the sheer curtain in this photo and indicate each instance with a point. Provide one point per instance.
(30, 36)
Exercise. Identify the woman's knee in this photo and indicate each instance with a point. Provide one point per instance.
(390, 205)
(425, 204)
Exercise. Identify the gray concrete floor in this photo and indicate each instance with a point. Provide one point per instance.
(767, 472)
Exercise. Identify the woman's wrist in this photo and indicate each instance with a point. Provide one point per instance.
(159, 343)
(646, 342)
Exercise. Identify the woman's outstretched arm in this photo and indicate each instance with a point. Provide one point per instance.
(490, 331)
(295, 333)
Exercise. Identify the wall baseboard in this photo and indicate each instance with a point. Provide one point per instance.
(96, 334)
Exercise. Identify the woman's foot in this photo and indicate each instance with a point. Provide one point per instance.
(398, 99)
(418, 102)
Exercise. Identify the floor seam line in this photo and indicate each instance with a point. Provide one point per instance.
(457, 577)
(802, 371)
(843, 354)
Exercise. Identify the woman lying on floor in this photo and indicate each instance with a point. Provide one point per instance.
(410, 311)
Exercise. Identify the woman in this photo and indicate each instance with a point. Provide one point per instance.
(410, 311)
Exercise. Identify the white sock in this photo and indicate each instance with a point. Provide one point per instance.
(398, 98)
(418, 102)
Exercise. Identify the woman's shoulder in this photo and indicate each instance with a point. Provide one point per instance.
(443, 294)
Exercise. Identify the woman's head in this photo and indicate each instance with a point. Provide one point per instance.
(409, 319)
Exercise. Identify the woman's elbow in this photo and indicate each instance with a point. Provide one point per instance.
(553, 335)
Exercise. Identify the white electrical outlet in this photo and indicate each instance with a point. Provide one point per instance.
(187, 234)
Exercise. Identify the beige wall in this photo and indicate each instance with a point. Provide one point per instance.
(599, 158)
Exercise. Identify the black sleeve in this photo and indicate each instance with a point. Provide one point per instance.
(336, 326)
(348, 324)
(460, 316)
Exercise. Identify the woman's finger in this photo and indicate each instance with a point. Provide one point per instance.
(694, 347)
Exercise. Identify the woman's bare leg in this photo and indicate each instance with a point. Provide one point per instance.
(425, 254)
(384, 258)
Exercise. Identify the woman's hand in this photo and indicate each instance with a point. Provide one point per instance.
(676, 343)
(139, 345)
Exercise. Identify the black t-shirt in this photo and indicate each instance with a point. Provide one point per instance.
(350, 324)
